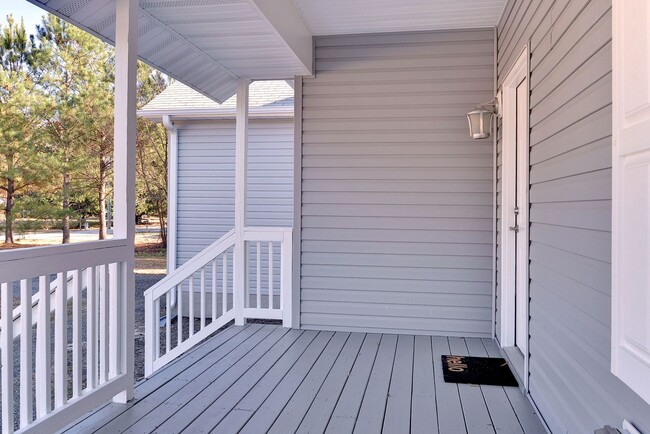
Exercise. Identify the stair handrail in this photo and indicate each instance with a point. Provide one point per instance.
(177, 276)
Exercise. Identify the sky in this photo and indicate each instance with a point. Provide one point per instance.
(21, 8)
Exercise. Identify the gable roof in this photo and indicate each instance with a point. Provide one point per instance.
(266, 99)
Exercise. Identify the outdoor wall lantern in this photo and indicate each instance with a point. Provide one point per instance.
(480, 119)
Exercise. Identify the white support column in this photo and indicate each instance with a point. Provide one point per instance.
(172, 191)
(241, 163)
(126, 47)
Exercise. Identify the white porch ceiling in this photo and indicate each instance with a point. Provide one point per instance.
(340, 17)
(208, 44)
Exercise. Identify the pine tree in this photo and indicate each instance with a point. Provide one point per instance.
(72, 69)
(22, 160)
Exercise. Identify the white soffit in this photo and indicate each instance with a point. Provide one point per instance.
(342, 17)
(206, 44)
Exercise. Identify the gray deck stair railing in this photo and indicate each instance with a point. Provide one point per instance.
(212, 289)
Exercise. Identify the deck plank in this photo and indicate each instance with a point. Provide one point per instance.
(424, 415)
(182, 408)
(450, 409)
(371, 413)
(503, 415)
(477, 417)
(283, 355)
(192, 363)
(318, 415)
(287, 405)
(398, 407)
(526, 414)
(346, 410)
(274, 386)
(165, 414)
(264, 378)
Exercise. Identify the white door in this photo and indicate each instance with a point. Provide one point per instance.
(514, 215)
(631, 195)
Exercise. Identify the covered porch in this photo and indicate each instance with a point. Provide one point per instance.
(365, 296)
(265, 378)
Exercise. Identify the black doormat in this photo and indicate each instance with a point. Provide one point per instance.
(477, 370)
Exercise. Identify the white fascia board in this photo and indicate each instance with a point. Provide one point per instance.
(285, 20)
(187, 114)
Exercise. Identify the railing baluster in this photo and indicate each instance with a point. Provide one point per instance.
(91, 328)
(191, 305)
(156, 325)
(214, 290)
(26, 405)
(247, 273)
(202, 298)
(76, 333)
(179, 313)
(168, 321)
(61, 341)
(270, 274)
(43, 357)
(53, 370)
(7, 357)
(114, 329)
(224, 282)
(258, 285)
(103, 324)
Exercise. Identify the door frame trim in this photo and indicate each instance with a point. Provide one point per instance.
(508, 253)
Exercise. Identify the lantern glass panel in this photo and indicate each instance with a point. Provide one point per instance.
(480, 123)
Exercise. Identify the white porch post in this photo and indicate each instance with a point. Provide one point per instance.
(126, 42)
(241, 160)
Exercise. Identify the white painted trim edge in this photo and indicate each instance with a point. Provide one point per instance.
(494, 198)
(297, 204)
(518, 72)
(215, 113)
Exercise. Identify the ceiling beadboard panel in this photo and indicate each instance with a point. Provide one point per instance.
(342, 17)
(206, 44)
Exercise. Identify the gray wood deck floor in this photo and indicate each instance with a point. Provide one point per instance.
(264, 378)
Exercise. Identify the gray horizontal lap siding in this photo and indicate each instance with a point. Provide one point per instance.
(206, 180)
(570, 194)
(396, 200)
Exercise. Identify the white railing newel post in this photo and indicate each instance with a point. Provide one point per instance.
(149, 331)
(286, 279)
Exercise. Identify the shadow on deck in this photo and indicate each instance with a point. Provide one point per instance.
(265, 378)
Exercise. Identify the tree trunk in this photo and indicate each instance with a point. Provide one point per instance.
(66, 208)
(102, 199)
(163, 226)
(9, 218)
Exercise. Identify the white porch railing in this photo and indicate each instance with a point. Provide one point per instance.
(202, 297)
(65, 368)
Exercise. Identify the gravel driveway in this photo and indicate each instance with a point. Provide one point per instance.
(142, 283)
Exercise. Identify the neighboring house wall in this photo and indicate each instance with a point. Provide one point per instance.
(396, 198)
(570, 211)
(206, 179)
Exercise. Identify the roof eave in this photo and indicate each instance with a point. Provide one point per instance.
(156, 115)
